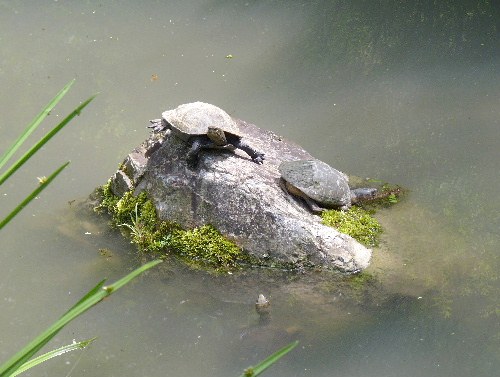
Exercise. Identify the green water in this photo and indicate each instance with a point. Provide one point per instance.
(402, 91)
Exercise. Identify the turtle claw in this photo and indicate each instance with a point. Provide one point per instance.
(156, 125)
(258, 158)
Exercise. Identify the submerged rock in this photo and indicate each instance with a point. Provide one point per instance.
(243, 200)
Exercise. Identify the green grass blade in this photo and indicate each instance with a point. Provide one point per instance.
(120, 283)
(34, 124)
(11, 170)
(9, 367)
(90, 293)
(49, 355)
(263, 365)
(31, 196)
(47, 339)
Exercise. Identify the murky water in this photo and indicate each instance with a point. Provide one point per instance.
(405, 92)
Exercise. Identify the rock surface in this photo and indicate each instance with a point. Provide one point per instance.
(240, 198)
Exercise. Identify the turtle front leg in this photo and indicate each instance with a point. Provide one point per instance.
(157, 125)
(192, 155)
(256, 156)
(198, 144)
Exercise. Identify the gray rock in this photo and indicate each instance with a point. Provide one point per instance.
(120, 183)
(243, 200)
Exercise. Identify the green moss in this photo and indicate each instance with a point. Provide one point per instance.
(363, 287)
(128, 209)
(361, 281)
(201, 247)
(390, 194)
(107, 201)
(357, 222)
(206, 246)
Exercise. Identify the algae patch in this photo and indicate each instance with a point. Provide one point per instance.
(357, 222)
(202, 247)
(206, 246)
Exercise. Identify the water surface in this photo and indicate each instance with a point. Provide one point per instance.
(407, 93)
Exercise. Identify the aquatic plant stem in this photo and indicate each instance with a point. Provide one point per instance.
(266, 363)
(12, 169)
(49, 355)
(94, 296)
(32, 196)
(34, 124)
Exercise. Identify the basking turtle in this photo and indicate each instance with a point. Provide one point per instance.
(320, 185)
(206, 127)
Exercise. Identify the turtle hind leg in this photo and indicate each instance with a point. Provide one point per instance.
(256, 156)
(313, 206)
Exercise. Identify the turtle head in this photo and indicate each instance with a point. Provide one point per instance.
(217, 135)
(361, 194)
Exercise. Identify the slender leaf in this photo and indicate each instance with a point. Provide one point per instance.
(12, 169)
(100, 293)
(43, 342)
(49, 355)
(90, 293)
(31, 196)
(263, 365)
(34, 124)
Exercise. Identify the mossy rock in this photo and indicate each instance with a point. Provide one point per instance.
(203, 247)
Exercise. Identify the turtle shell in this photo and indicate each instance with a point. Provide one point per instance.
(319, 181)
(193, 119)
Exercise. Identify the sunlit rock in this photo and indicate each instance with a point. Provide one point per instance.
(240, 198)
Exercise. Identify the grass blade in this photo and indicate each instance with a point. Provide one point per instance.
(34, 124)
(263, 365)
(47, 339)
(49, 355)
(90, 293)
(11, 170)
(31, 196)
(8, 368)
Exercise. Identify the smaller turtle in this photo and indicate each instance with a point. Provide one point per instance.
(262, 304)
(320, 185)
(206, 127)
(262, 307)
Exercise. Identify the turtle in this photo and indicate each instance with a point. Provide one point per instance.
(262, 307)
(205, 126)
(320, 185)
(264, 333)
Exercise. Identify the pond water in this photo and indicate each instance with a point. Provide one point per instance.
(406, 92)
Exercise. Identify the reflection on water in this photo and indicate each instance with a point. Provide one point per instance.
(403, 92)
